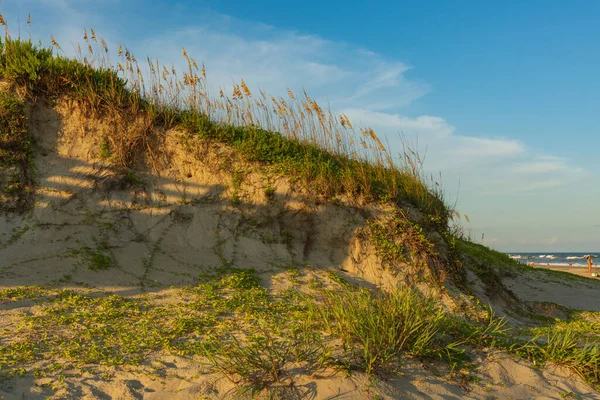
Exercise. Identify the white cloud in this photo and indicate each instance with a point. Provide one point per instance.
(544, 184)
(445, 150)
(538, 167)
(425, 126)
(480, 149)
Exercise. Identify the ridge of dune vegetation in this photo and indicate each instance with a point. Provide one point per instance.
(157, 240)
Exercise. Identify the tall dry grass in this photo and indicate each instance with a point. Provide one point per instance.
(293, 132)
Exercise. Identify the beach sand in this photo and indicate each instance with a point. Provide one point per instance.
(581, 271)
(160, 244)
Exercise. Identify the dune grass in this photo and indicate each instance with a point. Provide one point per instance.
(295, 135)
(376, 330)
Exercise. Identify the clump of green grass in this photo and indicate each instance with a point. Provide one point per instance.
(398, 240)
(573, 342)
(566, 348)
(16, 158)
(266, 357)
(376, 329)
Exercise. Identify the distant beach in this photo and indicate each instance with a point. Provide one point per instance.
(571, 262)
(573, 270)
(555, 260)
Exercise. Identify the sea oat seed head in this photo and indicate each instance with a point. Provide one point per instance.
(245, 88)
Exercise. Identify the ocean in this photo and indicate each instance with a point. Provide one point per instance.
(554, 259)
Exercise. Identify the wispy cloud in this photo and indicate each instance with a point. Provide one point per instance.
(445, 150)
(539, 167)
(425, 126)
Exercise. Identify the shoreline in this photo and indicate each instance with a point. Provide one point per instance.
(576, 270)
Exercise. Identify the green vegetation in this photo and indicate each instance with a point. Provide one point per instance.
(16, 159)
(259, 339)
(396, 238)
(478, 255)
(293, 135)
(378, 329)
(572, 344)
(96, 259)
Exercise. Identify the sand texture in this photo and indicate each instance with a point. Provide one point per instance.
(161, 230)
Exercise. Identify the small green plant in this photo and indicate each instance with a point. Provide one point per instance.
(99, 261)
(131, 179)
(105, 150)
(336, 277)
(270, 192)
(96, 258)
(396, 238)
(236, 181)
(16, 156)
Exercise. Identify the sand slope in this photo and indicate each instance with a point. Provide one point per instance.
(163, 230)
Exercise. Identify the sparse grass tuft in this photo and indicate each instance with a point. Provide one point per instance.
(566, 348)
(266, 356)
(16, 158)
(376, 329)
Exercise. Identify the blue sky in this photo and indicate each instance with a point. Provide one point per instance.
(502, 96)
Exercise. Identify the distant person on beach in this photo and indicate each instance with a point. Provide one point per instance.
(590, 262)
(570, 263)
